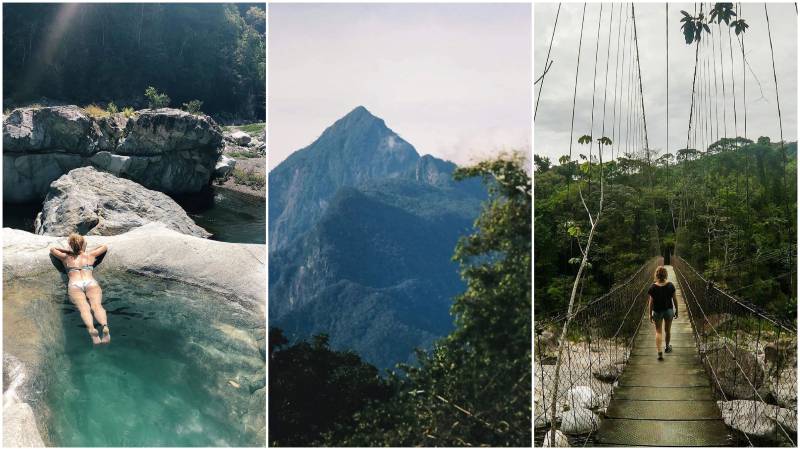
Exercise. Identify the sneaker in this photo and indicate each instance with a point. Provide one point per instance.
(660, 357)
(668, 349)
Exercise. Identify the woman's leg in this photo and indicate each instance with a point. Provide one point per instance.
(658, 335)
(667, 326)
(95, 295)
(78, 298)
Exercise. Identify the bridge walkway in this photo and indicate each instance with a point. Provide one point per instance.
(664, 403)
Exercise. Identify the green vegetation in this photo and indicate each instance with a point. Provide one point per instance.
(252, 178)
(156, 99)
(473, 387)
(96, 111)
(97, 53)
(112, 108)
(729, 211)
(128, 112)
(194, 107)
(253, 129)
(244, 154)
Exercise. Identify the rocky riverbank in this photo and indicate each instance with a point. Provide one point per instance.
(243, 165)
(167, 150)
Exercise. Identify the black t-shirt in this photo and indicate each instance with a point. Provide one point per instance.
(662, 296)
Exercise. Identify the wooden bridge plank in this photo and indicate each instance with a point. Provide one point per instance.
(664, 410)
(664, 403)
(664, 433)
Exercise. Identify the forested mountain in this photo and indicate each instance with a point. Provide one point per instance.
(96, 53)
(363, 232)
(472, 388)
(730, 211)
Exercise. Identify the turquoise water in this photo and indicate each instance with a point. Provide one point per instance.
(165, 378)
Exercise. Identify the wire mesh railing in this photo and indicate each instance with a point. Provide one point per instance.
(597, 347)
(750, 357)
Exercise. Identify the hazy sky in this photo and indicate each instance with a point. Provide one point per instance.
(555, 108)
(454, 80)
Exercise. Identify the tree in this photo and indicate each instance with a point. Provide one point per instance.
(156, 99)
(313, 388)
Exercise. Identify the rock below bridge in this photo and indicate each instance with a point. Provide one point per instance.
(167, 150)
(97, 203)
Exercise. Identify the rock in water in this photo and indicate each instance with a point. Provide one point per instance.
(729, 360)
(561, 440)
(582, 397)
(579, 421)
(224, 166)
(167, 150)
(758, 419)
(98, 203)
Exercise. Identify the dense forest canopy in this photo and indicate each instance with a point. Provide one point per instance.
(86, 53)
(729, 211)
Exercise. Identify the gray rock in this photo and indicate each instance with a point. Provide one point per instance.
(224, 167)
(582, 397)
(783, 387)
(607, 372)
(167, 150)
(757, 418)
(579, 421)
(239, 137)
(98, 203)
(730, 363)
(57, 128)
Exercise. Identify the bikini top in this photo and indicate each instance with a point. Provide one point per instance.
(86, 267)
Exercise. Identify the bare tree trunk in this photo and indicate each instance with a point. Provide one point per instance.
(570, 308)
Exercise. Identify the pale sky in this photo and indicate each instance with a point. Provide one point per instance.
(454, 80)
(555, 108)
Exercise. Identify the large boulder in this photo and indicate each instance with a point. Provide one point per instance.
(759, 419)
(57, 128)
(97, 203)
(579, 421)
(737, 368)
(238, 137)
(560, 440)
(224, 167)
(167, 150)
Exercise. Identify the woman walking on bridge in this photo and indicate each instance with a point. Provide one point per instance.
(663, 307)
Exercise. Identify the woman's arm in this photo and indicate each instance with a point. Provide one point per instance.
(59, 253)
(99, 250)
(674, 302)
(650, 307)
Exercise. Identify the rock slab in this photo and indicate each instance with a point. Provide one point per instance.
(91, 202)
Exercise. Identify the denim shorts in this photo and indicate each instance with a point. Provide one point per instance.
(666, 314)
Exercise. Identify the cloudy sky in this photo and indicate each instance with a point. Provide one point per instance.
(452, 79)
(552, 126)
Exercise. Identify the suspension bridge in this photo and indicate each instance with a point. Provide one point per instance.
(731, 378)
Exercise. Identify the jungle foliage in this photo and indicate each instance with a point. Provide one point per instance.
(87, 53)
(729, 211)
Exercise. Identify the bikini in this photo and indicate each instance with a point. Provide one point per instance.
(82, 284)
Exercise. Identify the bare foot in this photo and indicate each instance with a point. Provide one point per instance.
(106, 335)
(94, 335)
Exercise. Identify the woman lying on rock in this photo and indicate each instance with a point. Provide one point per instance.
(83, 289)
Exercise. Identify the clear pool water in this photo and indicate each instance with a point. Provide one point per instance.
(231, 216)
(184, 368)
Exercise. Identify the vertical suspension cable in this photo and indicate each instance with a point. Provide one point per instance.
(666, 41)
(733, 85)
(546, 62)
(724, 92)
(575, 90)
(614, 126)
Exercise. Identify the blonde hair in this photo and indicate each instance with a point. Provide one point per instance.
(76, 243)
(661, 274)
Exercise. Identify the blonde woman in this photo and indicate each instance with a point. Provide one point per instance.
(663, 307)
(84, 291)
